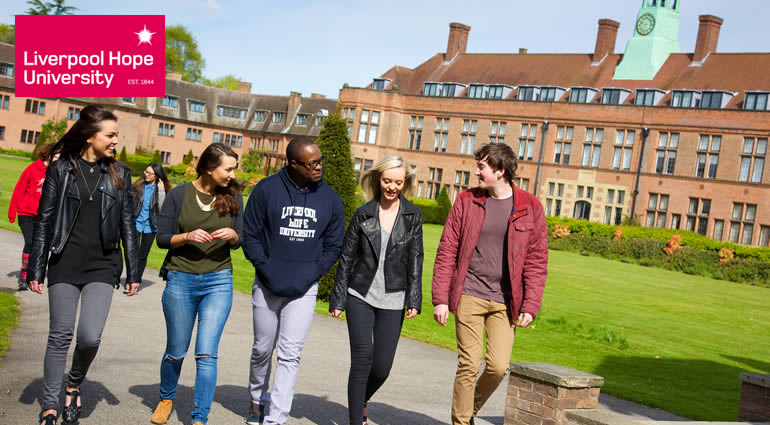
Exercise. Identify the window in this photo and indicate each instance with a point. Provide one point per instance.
(170, 101)
(755, 101)
(612, 96)
(4, 101)
(711, 100)
(367, 127)
(379, 84)
(742, 223)
(521, 183)
(526, 93)
(2, 132)
(195, 134)
(581, 95)
(6, 69)
(621, 158)
(165, 157)
(764, 235)
(462, 179)
(719, 228)
(613, 206)
(752, 160)
(73, 114)
(358, 164)
(441, 135)
(239, 113)
(29, 137)
(666, 153)
(657, 207)
(441, 89)
(527, 141)
(434, 182)
(708, 156)
(497, 132)
(476, 91)
(468, 139)
(259, 116)
(302, 119)
(131, 100)
(563, 147)
(645, 97)
(495, 92)
(431, 89)
(555, 195)
(35, 107)
(415, 133)
(349, 114)
(592, 147)
(236, 140)
(698, 215)
(165, 129)
(684, 99)
(547, 94)
(196, 106)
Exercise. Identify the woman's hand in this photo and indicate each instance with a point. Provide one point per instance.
(132, 288)
(198, 235)
(335, 313)
(160, 185)
(226, 234)
(36, 286)
(411, 312)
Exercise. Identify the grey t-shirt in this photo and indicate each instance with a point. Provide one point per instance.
(487, 276)
(376, 296)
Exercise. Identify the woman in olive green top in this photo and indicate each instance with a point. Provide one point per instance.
(200, 223)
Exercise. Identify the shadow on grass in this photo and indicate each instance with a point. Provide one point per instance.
(693, 388)
(94, 393)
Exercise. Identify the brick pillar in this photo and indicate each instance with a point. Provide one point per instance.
(541, 393)
(755, 398)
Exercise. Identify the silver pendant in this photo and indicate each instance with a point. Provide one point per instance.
(91, 198)
(91, 170)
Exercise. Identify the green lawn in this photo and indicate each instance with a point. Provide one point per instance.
(9, 319)
(661, 338)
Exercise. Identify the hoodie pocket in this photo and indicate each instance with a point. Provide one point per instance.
(289, 278)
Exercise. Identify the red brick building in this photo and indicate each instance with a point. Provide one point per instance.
(683, 146)
(189, 117)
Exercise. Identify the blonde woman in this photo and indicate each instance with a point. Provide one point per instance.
(379, 276)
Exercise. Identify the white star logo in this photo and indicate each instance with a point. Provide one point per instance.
(145, 36)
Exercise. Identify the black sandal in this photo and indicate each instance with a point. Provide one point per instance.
(50, 419)
(71, 413)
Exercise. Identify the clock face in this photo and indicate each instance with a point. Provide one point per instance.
(645, 24)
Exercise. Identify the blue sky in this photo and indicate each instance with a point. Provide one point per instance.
(317, 46)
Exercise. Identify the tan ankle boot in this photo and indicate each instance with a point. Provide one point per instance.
(162, 412)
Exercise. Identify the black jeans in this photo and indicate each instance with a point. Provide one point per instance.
(373, 334)
(145, 245)
(26, 223)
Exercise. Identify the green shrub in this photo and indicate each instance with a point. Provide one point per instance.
(431, 211)
(444, 204)
(17, 152)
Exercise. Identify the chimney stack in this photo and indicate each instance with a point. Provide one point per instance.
(605, 39)
(174, 76)
(244, 87)
(458, 40)
(522, 51)
(708, 36)
(295, 99)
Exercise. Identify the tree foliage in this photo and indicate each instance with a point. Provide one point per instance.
(123, 157)
(229, 82)
(182, 54)
(188, 158)
(444, 204)
(252, 161)
(156, 157)
(55, 7)
(51, 131)
(7, 34)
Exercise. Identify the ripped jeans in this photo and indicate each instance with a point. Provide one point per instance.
(208, 296)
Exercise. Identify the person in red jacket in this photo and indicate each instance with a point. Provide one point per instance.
(24, 202)
(490, 272)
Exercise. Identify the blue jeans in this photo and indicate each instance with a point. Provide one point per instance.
(208, 296)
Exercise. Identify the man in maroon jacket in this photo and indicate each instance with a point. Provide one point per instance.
(490, 272)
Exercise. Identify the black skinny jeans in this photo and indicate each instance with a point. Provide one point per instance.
(145, 245)
(26, 223)
(373, 334)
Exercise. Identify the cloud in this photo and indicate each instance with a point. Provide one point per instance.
(210, 5)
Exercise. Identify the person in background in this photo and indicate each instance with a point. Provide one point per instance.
(379, 276)
(149, 193)
(86, 211)
(200, 223)
(25, 200)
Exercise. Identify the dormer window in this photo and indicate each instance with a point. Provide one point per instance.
(277, 117)
(527, 93)
(615, 96)
(442, 89)
(715, 99)
(431, 89)
(496, 92)
(196, 106)
(302, 119)
(581, 94)
(6, 69)
(477, 91)
(170, 101)
(756, 101)
(648, 97)
(231, 112)
(380, 83)
(685, 98)
(550, 94)
(259, 116)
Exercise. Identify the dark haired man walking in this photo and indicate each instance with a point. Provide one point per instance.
(490, 272)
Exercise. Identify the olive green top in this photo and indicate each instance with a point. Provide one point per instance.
(194, 257)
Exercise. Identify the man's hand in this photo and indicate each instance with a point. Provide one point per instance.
(131, 288)
(441, 314)
(335, 312)
(524, 320)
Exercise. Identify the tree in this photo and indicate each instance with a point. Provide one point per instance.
(156, 157)
(55, 7)
(123, 157)
(7, 34)
(51, 131)
(229, 82)
(182, 54)
(444, 204)
(188, 158)
(338, 173)
(252, 161)
(60, 9)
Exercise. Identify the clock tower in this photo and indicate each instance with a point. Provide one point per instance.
(656, 35)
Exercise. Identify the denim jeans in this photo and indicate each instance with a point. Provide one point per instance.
(208, 296)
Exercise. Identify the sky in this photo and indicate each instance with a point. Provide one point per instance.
(314, 46)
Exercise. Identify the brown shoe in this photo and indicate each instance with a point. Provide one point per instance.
(162, 412)
(197, 423)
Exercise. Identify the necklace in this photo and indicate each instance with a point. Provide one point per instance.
(204, 207)
(88, 189)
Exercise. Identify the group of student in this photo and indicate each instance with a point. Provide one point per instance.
(490, 267)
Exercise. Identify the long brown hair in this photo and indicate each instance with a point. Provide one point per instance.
(210, 159)
(73, 143)
(160, 174)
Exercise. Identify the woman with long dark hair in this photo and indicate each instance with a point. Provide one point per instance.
(85, 212)
(200, 223)
(379, 278)
(149, 193)
(26, 199)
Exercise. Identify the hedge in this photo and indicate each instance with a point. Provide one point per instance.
(432, 212)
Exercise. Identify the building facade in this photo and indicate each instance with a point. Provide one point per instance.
(189, 117)
(676, 140)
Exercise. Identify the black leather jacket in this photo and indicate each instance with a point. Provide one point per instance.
(59, 206)
(361, 251)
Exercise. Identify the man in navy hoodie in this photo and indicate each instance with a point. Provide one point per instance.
(294, 226)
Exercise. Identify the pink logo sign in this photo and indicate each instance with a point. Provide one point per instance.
(90, 56)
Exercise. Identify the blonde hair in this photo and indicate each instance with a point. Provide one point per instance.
(370, 182)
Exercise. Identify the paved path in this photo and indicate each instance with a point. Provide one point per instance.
(122, 384)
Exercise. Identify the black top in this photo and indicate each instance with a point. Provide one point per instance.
(83, 258)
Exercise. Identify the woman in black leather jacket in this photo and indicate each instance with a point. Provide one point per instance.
(379, 275)
(86, 210)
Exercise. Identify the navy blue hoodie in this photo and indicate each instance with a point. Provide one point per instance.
(292, 235)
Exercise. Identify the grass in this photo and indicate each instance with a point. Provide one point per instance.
(661, 338)
(9, 319)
